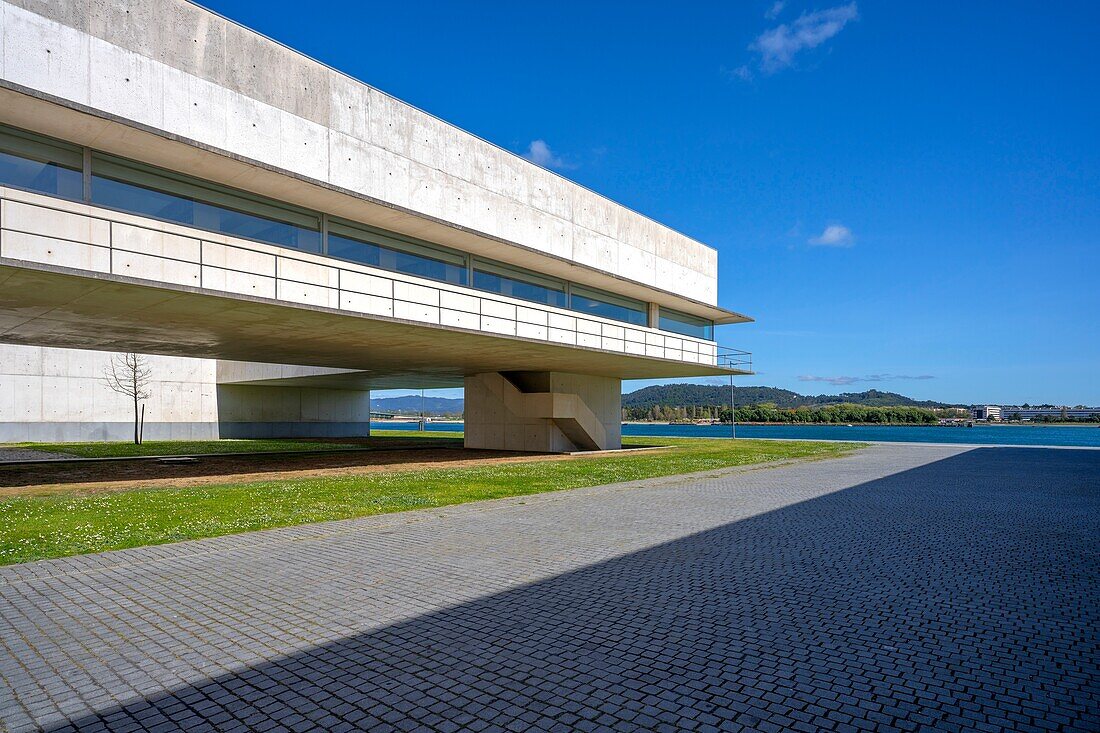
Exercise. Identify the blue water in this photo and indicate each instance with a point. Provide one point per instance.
(1085, 435)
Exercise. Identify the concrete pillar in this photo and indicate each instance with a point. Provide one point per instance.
(547, 412)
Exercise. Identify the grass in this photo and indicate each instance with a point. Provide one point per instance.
(46, 526)
(416, 433)
(174, 447)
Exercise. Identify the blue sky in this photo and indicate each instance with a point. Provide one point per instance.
(906, 196)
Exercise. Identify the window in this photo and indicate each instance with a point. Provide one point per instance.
(141, 189)
(606, 305)
(518, 284)
(39, 164)
(687, 325)
(359, 244)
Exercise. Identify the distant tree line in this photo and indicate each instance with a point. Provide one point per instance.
(768, 412)
(709, 395)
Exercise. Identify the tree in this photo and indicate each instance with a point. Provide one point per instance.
(129, 375)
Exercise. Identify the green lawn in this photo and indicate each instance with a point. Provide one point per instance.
(37, 527)
(383, 433)
(175, 447)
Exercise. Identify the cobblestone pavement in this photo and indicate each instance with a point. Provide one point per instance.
(896, 589)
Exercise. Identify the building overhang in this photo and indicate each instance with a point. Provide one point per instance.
(67, 120)
(48, 305)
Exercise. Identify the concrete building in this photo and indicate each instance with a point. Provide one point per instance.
(174, 184)
(1015, 412)
(985, 412)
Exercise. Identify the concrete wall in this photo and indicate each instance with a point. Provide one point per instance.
(57, 395)
(173, 67)
(249, 411)
(49, 394)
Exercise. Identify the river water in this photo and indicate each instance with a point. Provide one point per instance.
(1062, 435)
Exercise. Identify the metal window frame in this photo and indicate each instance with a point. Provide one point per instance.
(518, 274)
(687, 318)
(603, 296)
(199, 190)
(367, 234)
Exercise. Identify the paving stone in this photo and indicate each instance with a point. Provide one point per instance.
(902, 588)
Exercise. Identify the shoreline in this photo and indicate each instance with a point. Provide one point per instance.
(459, 421)
(406, 420)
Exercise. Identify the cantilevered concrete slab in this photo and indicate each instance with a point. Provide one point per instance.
(55, 307)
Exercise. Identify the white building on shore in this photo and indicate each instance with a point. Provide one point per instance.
(986, 412)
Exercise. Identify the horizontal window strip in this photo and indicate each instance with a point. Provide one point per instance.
(37, 163)
(684, 324)
(395, 260)
(40, 165)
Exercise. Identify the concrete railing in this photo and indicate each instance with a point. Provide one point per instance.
(42, 229)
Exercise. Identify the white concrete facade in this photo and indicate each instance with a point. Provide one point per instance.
(59, 395)
(51, 394)
(166, 83)
(185, 72)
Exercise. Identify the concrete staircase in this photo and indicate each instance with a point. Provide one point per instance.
(568, 411)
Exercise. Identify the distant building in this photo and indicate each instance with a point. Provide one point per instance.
(985, 412)
(1012, 412)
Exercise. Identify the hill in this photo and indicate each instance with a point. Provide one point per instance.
(702, 395)
(683, 395)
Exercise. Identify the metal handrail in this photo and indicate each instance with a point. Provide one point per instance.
(730, 358)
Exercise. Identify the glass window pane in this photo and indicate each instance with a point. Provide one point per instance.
(40, 164)
(350, 249)
(686, 325)
(516, 288)
(595, 305)
(44, 177)
(138, 200)
(186, 210)
(240, 224)
(394, 260)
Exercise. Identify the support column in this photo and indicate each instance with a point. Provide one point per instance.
(547, 412)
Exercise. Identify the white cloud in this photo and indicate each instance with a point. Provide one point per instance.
(539, 153)
(846, 380)
(835, 235)
(778, 46)
(742, 72)
(838, 381)
(775, 10)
